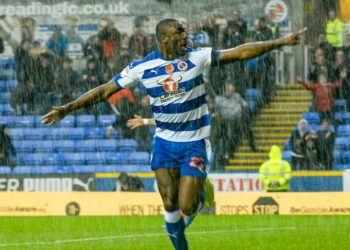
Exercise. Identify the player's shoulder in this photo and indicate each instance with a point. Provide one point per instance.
(146, 62)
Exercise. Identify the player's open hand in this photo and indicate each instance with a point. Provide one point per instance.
(135, 123)
(294, 38)
(56, 114)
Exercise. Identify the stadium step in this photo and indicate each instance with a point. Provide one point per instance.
(273, 126)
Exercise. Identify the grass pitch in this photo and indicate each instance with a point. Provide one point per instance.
(206, 232)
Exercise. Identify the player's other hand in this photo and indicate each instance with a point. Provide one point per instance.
(294, 38)
(56, 114)
(135, 123)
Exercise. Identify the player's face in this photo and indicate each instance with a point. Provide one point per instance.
(177, 42)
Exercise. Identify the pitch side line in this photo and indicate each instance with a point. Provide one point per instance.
(143, 235)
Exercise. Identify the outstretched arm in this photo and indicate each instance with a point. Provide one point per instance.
(91, 97)
(138, 121)
(251, 50)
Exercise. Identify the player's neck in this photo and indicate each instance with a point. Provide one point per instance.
(166, 54)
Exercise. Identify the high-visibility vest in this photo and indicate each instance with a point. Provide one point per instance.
(334, 32)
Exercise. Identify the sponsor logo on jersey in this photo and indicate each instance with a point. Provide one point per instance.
(169, 69)
(182, 65)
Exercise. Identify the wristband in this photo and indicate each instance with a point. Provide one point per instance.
(145, 121)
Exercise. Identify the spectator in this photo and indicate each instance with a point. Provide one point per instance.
(109, 37)
(65, 82)
(23, 96)
(7, 150)
(274, 27)
(298, 145)
(198, 37)
(232, 36)
(73, 36)
(93, 49)
(2, 48)
(341, 67)
(263, 32)
(58, 42)
(275, 173)
(150, 45)
(230, 113)
(326, 140)
(346, 48)
(312, 156)
(319, 66)
(125, 54)
(127, 183)
(212, 30)
(137, 42)
(43, 79)
(324, 92)
(91, 76)
(325, 46)
(242, 24)
(334, 30)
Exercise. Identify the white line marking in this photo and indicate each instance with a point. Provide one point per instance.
(144, 235)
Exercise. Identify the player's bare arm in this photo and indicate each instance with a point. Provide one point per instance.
(138, 121)
(251, 50)
(91, 97)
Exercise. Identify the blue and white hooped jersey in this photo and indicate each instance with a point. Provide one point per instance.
(176, 91)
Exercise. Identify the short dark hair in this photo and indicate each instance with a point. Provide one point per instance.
(163, 25)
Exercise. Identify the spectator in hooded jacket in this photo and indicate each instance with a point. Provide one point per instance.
(298, 145)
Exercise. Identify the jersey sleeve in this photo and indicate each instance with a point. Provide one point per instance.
(129, 77)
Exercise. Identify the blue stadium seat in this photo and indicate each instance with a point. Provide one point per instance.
(67, 122)
(341, 167)
(53, 159)
(16, 133)
(38, 123)
(65, 146)
(7, 120)
(21, 170)
(139, 158)
(86, 120)
(10, 62)
(251, 105)
(11, 85)
(29, 159)
(117, 158)
(94, 133)
(44, 170)
(346, 158)
(106, 168)
(312, 117)
(343, 130)
(106, 145)
(73, 133)
(342, 143)
(287, 155)
(338, 156)
(251, 94)
(5, 97)
(9, 74)
(126, 145)
(83, 169)
(23, 146)
(105, 120)
(95, 158)
(34, 134)
(6, 109)
(287, 145)
(41, 146)
(340, 105)
(53, 133)
(25, 121)
(3, 86)
(331, 128)
(346, 118)
(85, 146)
(74, 158)
(133, 168)
(5, 170)
(339, 117)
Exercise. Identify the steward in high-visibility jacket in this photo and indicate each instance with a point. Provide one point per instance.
(275, 173)
(334, 32)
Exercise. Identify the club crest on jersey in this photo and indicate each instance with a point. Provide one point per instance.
(169, 69)
(170, 84)
(182, 65)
